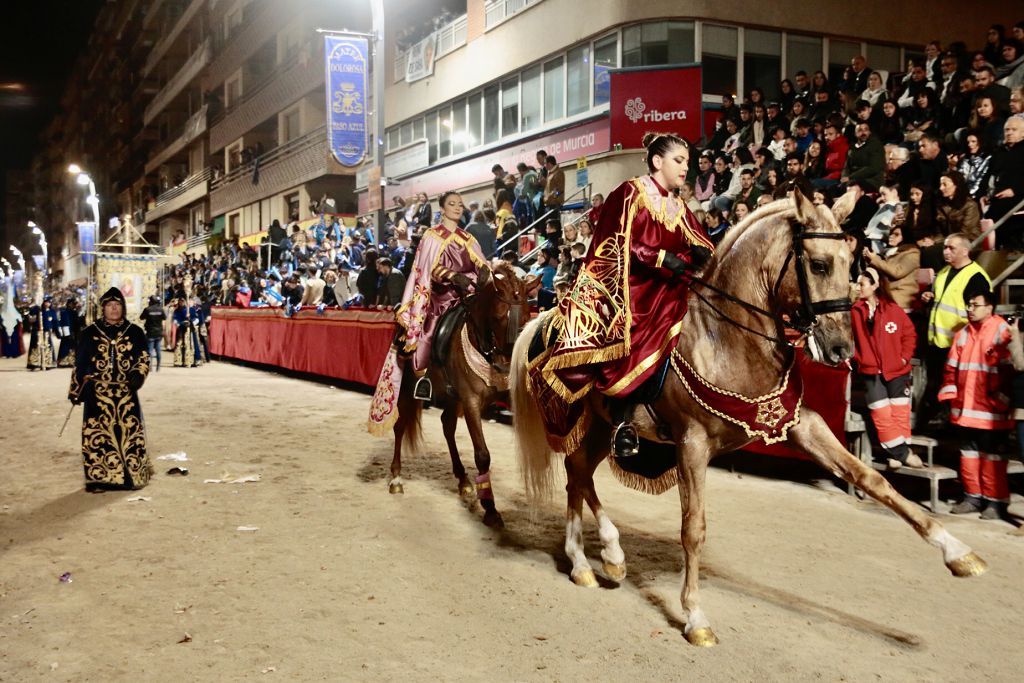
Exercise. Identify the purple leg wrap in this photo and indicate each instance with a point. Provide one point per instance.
(483, 487)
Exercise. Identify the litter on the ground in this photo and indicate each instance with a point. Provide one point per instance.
(65, 577)
(176, 457)
(183, 471)
(248, 528)
(138, 499)
(238, 480)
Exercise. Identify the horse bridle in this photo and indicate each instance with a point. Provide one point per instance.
(806, 317)
(512, 332)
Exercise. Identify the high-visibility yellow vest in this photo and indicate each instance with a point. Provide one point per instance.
(949, 313)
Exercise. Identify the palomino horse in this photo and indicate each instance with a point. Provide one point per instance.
(472, 376)
(786, 259)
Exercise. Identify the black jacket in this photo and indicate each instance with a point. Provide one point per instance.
(153, 318)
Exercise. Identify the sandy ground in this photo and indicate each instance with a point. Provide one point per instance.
(343, 581)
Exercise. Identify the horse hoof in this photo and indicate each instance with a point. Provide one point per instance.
(395, 488)
(702, 637)
(585, 578)
(466, 489)
(615, 572)
(492, 518)
(968, 565)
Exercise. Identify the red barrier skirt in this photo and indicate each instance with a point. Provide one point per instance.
(349, 345)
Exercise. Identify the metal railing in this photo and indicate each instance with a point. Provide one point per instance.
(189, 70)
(183, 187)
(449, 37)
(1009, 214)
(250, 92)
(498, 11)
(584, 191)
(280, 152)
(532, 254)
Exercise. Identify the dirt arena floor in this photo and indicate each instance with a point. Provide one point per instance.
(341, 581)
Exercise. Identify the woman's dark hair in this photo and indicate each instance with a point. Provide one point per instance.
(744, 155)
(659, 144)
(922, 218)
(960, 195)
(501, 197)
(760, 94)
(444, 197)
(786, 83)
(370, 257)
(983, 146)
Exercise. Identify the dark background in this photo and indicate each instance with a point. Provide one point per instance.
(39, 42)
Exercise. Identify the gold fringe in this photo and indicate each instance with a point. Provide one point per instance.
(654, 487)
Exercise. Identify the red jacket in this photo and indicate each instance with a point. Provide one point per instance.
(977, 377)
(887, 347)
(835, 158)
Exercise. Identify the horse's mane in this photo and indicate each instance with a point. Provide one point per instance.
(504, 269)
(777, 209)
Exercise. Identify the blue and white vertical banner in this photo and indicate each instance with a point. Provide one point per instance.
(347, 67)
(87, 242)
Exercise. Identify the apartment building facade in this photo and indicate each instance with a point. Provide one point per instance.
(511, 77)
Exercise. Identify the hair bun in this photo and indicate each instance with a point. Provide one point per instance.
(649, 138)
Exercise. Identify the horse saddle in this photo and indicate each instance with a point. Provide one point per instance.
(447, 327)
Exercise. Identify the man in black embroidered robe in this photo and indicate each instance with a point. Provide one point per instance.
(112, 362)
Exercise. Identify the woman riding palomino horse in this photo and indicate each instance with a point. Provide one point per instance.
(474, 370)
(785, 261)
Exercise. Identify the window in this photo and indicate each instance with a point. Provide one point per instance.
(529, 110)
(290, 125)
(393, 139)
(606, 56)
(475, 119)
(233, 89)
(577, 80)
(291, 206)
(719, 59)
(762, 61)
(431, 125)
(491, 114)
(658, 43)
(803, 53)
(840, 52)
(406, 133)
(554, 90)
(289, 42)
(884, 58)
(510, 107)
(418, 129)
(232, 155)
(460, 138)
(444, 140)
(234, 226)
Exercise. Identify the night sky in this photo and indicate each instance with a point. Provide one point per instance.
(39, 42)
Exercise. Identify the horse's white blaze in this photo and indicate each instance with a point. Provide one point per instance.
(952, 548)
(499, 276)
(812, 344)
(611, 551)
(574, 543)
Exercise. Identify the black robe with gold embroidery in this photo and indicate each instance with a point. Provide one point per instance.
(112, 362)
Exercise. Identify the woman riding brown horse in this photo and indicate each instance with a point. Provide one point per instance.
(785, 265)
(468, 379)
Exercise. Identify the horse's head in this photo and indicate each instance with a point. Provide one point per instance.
(813, 285)
(499, 310)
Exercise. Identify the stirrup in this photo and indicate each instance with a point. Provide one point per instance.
(423, 391)
(625, 440)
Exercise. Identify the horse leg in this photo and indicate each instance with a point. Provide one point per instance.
(395, 485)
(693, 464)
(578, 470)
(612, 558)
(813, 437)
(449, 421)
(482, 458)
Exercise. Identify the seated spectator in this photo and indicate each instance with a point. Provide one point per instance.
(875, 94)
(313, 289)
(898, 267)
(814, 161)
(987, 119)
(586, 232)
(889, 127)
(865, 161)
(837, 150)
(877, 231)
(511, 258)
(922, 117)
(704, 182)
(957, 211)
(1011, 73)
(973, 165)
(391, 284)
(740, 210)
(687, 195)
(545, 268)
(1007, 169)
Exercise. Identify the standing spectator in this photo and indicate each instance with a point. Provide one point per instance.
(949, 312)
(503, 203)
(392, 284)
(153, 317)
(483, 233)
(554, 186)
(956, 211)
(885, 339)
(368, 281)
(898, 267)
(976, 386)
(499, 177)
(313, 290)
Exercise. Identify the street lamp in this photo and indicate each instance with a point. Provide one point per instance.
(36, 230)
(19, 256)
(93, 200)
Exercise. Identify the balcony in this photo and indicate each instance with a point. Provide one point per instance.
(449, 37)
(245, 40)
(498, 11)
(180, 196)
(286, 85)
(171, 36)
(280, 169)
(192, 68)
(193, 127)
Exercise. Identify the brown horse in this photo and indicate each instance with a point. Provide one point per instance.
(473, 375)
(786, 259)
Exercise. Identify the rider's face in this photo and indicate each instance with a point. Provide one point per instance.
(452, 208)
(673, 166)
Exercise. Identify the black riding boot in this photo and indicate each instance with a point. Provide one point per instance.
(625, 440)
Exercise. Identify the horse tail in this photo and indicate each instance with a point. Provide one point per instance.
(532, 450)
(410, 413)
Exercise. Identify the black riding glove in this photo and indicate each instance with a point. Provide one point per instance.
(677, 265)
(699, 256)
(462, 282)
